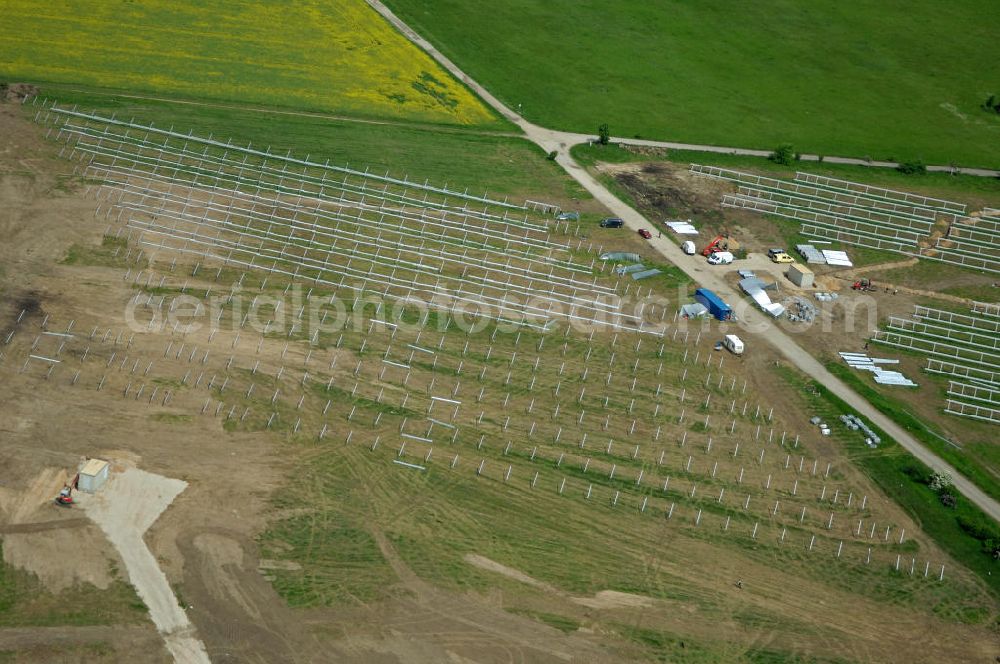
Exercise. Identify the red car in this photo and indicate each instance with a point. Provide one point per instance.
(645, 234)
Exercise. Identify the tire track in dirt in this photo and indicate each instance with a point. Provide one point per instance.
(471, 623)
(42, 526)
(142, 639)
(482, 634)
(235, 606)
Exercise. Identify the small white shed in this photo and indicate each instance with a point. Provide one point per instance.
(800, 275)
(93, 475)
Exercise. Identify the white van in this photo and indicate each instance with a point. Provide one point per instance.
(721, 258)
(734, 344)
(688, 248)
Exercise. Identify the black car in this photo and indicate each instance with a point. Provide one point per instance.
(612, 222)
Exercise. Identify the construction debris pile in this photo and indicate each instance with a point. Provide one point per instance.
(862, 362)
(801, 310)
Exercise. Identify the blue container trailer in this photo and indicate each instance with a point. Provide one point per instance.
(719, 309)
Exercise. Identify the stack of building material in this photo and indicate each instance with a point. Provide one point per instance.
(837, 258)
(628, 269)
(810, 254)
(682, 227)
(855, 423)
(620, 256)
(645, 274)
(862, 362)
(754, 287)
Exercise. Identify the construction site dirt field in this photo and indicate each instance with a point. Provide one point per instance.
(246, 521)
(667, 189)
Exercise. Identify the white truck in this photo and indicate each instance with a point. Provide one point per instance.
(734, 344)
(721, 258)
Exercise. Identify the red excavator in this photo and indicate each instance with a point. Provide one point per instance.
(720, 243)
(65, 497)
(864, 285)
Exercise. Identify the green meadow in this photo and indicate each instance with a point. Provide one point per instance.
(864, 78)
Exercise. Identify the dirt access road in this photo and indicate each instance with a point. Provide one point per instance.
(125, 509)
(753, 322)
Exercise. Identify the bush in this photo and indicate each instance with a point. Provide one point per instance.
(552, 155)
(784, 154)
(915, 473)
(949, 500)
(915, 167)
(978, 528)
(603, 134)
(940, 481)
(991, 105)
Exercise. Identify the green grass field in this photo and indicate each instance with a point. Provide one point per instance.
(886, 80)
(497, 163)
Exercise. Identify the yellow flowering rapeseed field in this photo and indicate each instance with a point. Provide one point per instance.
(337, 56)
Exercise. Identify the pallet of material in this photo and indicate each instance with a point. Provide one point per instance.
(863, 362)
(837, 258)
(893, 378)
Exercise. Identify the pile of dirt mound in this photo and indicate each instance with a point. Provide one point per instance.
(17, 91)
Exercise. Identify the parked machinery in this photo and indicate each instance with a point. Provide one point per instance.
(863, 285)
